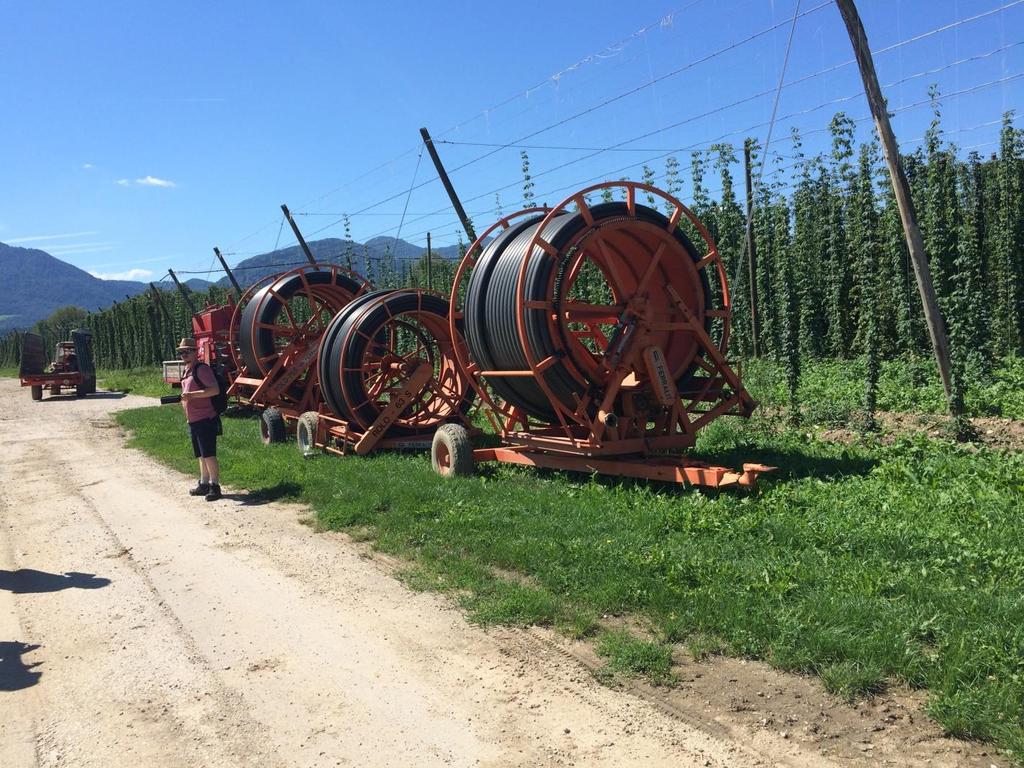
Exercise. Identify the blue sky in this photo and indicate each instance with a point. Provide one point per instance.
(136, 136)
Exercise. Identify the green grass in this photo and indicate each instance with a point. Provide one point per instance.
(863, 564)
(636, 657)
(832, 391)
(138, 381)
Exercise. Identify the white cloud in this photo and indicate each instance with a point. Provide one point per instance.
(87, 166)
(153, 181)
(128, 274)
(36, 238)
(76, 248)
(123, 182)
(79, 250)
(136, 261)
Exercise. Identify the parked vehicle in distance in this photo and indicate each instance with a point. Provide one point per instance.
(72, 365)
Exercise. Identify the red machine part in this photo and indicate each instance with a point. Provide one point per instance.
(388, 374)
(598, 331)
(211, 328)
(275, 335)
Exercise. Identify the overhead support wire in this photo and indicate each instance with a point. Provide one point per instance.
(748, 231)
(408, 196)
(613, 99)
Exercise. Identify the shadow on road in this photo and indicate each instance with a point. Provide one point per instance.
(14, 673)
(265, 495)
(28, 580)
(48, 398)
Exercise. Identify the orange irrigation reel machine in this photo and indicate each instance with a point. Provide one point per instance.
(349, 369)
(275, 336)
(596, 338)
(387, 375)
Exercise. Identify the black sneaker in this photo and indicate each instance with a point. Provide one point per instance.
(200, 490)
(214, 492)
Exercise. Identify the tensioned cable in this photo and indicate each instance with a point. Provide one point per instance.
(642, 86)
(407, 197)
(767, 143)
(611, 50)
(700, 145)
(600, 105)
(651, 82)
(732, 46)
(898, 110)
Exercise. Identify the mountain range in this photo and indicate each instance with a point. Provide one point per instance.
(36, 283)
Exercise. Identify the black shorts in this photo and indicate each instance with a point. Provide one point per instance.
(204, 437)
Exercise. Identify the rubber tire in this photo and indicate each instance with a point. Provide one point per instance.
(305, 432)
(454, 438)
(37, 391)
(272, 427)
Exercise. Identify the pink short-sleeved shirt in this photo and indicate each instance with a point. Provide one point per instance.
(201, 407)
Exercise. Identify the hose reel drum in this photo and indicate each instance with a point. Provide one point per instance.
(600, 330)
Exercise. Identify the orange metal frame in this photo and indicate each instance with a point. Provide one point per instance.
(630, 442)
(341, 437)
(264, 389)
(439, 392)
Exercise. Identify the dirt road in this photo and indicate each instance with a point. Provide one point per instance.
(142, 627)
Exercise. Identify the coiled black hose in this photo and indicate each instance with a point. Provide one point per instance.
(256, 344)
(363, 327)
(330, 351)
(490, 309)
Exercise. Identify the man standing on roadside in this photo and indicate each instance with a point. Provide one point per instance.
(198, 385)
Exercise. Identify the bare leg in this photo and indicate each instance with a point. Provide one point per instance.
(204, 475)
(211, 469)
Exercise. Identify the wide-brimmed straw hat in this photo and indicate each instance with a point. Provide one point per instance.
(187, 344)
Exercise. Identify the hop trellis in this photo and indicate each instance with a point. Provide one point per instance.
(833, 276)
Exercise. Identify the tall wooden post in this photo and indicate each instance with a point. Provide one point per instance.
(182, 290)
(466, 223)
(430, 266)
(755, 320)
(915, 243)
(231, 275)
(298, 234)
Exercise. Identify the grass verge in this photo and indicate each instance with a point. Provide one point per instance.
(138, 381)
(862, 564)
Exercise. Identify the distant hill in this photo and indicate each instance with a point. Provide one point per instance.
(366, 257)
(197, 284)
(35, 284)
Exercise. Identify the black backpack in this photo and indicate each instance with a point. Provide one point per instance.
(220, 400)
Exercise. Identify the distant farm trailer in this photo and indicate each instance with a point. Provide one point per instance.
(72, 366)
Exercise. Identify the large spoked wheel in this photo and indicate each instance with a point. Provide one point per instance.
(288, 317)
(556, 296)
(373, 349)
